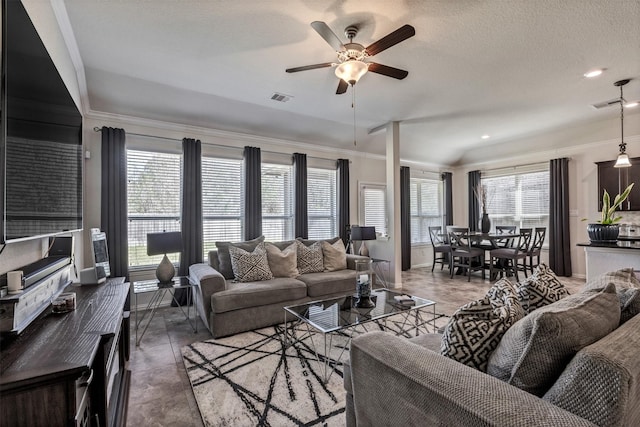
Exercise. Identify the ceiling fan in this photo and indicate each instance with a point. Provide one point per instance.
(353, 57)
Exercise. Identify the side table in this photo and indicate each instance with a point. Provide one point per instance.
(158, 292)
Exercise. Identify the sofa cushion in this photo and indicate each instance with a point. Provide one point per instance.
(627, 287)
(256, 294)
(475, 329)
(310, 258)
(534, 352)
(540, 289)
(250, 266)
(224, 259)
(329, 283)
(334, 255)
(308, 242)
(283, 263)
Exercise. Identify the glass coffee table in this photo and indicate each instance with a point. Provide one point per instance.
(341, 316)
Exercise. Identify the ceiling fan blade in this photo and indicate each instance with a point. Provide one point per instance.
(342, 87)
(308, 67)
(399, 35)
(385, 70)
(328, 35)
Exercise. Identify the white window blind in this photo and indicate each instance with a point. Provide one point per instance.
(321, 203)
(222, 183)
(153, 201)
(426, 207)
(520, 199)
(277, 202)
(374, 207)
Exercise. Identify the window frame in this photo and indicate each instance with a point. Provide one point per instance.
(333, 202)
(423, 234)
(362, 214)
(288, 218)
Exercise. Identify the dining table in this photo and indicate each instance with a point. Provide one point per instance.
(488, 241)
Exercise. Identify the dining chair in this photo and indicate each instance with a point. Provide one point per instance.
(536, 246)
(507, 260)
(505, 229)
(463, 254)
(441, 246)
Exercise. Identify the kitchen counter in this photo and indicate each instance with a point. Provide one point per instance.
(604, 257)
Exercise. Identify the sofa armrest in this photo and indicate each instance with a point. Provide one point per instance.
(209, 281)
(397, 382)
(351, 260)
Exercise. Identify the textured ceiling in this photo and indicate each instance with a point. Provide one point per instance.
(507, 68)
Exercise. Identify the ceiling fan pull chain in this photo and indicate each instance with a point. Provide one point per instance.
(353, 105)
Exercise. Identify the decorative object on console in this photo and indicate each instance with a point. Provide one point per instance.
(363, 283)
(606, 230)
(481, 195)
(361, 234)
(164, 243)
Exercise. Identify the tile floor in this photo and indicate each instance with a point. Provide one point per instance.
(160, 392)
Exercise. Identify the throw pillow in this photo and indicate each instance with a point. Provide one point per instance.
(250, 266)
(309, 258)
(334, 256)
(540, 289)
(283, 263)
(534, 352)
(224, 259)
(308, 242)
(475, 329)
(627, 287)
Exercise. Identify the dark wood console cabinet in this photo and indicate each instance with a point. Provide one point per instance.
(70, 369)
(615, 180)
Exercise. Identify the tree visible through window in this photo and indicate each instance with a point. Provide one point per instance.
(153, 201)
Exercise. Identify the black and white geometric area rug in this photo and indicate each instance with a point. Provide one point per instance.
(253, 379)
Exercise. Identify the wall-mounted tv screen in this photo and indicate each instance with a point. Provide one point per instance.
(40, 138)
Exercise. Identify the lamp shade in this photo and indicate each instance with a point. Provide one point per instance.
(622, 161)
(351, 71)
(363, 233)
(164, 243)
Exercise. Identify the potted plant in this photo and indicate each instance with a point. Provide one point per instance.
(606, 230)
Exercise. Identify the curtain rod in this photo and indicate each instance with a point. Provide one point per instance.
(97, 129)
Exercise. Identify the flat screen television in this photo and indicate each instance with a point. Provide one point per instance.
(40, 137)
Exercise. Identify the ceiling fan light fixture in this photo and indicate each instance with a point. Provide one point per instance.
(351, 71)
(623, 158)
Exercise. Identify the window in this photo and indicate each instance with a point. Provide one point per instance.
(277, 202)
(426, 207)
(321, 203)
(222, 183)
(373, 207)
(153, 201)
(520, 199)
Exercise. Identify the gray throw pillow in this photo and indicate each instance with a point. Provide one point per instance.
(308, 242)
(534, 352)
(627, 287)
(250, 266)
(475, 329)
(310, 258)
(334, 256)
(540, 289)
(224, 260)
(283, 263)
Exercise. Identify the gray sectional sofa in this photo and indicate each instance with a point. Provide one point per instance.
(228, 307)
(414, 385)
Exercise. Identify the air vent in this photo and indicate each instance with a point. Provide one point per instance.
(281, 97)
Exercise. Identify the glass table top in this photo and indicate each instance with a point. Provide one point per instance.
(142, 286)
(339, 313)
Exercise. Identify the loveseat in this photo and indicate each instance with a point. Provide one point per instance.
(228, 306)
(392, 380)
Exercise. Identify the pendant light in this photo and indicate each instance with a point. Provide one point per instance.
(623, 158)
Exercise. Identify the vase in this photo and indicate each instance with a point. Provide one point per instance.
(363, 283)
(485, 223)
(603, 233)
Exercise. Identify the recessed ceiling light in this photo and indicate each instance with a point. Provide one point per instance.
(593, 73)
(485, 137)
(631, 104)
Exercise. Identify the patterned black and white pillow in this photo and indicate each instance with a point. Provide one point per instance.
(250, 266)
(310, 258)
(476, 328)
(540, 289)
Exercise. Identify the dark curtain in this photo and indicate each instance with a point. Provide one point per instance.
(405, 217)
(252, 193)
(447, 179)
(191, 213)
(114, 200)
(474, 203)
(559, 238)
(300, 195)
(342, 166)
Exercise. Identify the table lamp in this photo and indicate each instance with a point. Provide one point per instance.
(164, 243)
(362, 234)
